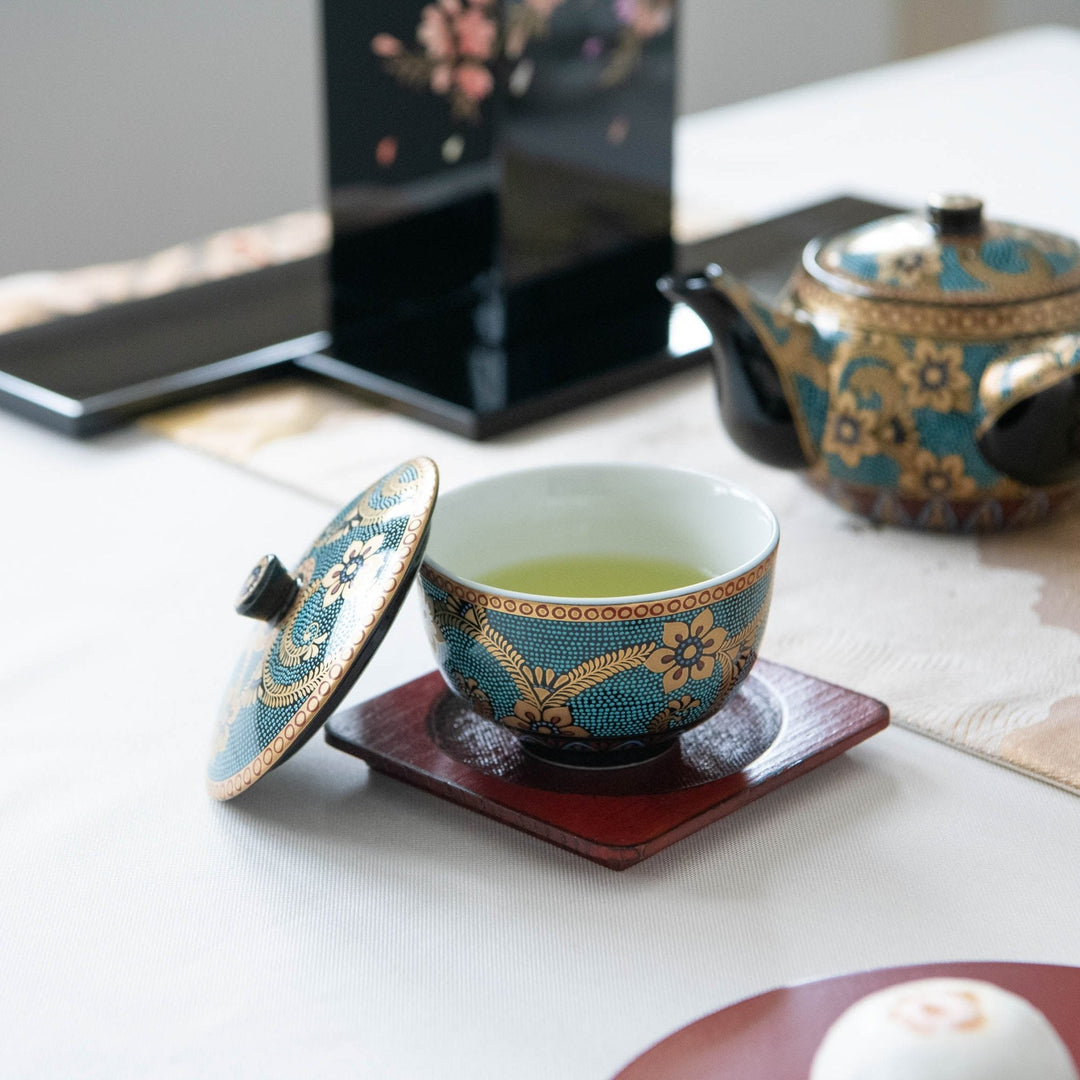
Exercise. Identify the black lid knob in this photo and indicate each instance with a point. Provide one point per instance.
(955, 215)
(268, 592)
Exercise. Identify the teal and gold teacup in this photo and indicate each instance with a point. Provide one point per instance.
(598, 611)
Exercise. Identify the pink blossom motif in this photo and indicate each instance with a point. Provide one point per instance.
(544, 8)
(456, 40)
(474, 81)
(386, 150)
(525, 20)
(475, 34)
(617, 131)
(646, 18)
(592, 47)
(386, 45)
(442, 78)
(435, 32)
(517, 38)
(641, 20)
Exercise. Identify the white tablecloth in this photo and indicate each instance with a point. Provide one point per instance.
(334, 922)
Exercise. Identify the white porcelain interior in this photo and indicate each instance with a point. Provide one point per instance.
(633, 510)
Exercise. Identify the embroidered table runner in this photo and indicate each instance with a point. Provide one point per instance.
(974, 641)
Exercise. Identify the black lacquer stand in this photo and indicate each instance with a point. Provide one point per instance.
(84, 374)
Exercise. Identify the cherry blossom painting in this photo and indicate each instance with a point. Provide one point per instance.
(500, 178)
(458, 44)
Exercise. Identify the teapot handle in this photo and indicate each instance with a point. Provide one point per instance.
(1030, 427)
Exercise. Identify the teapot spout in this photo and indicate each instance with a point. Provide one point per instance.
(748, 344)
(1030, 429)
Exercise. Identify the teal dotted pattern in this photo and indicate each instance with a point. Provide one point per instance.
(623, 705)
(1006, 261)
(291, 668)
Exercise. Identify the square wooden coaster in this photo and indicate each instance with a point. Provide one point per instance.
(780, 724)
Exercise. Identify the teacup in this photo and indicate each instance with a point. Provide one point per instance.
(594, 679)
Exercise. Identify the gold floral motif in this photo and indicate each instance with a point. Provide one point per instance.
(910, 269)
(356, 572)
(241, 698)
(244, 690)
(897, 435)
(544, 720)
(747, 652)
(850, 430)
(296, 649)
(928, 476)
(689, 651)
(391, 492)
(276, 695)
(256, 682)
(685, 645)
(544, 693)
(479, 702)
(935, 378)
(867, 342)
(672, 714)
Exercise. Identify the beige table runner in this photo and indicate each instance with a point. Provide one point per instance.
(973, 641)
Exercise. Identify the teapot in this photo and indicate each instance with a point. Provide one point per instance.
(923, 369)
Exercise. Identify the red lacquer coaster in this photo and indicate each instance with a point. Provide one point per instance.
(780, 724)
(774, 1036)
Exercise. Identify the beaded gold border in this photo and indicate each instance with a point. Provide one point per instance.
(963, 322)
(337, 667)
(602, 612)
(1017, 501)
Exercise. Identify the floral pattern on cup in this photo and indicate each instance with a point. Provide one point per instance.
(687, 664)
(674, 713)
(690, 650)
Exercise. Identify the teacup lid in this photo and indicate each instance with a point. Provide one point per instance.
(947, 254)
(319, 624)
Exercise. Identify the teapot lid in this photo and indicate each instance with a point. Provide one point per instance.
(319, 624)
(947, 254)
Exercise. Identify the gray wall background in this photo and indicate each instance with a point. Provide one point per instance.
(736, 49)
(128, 125)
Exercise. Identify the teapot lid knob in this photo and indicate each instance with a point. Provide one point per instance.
(955, 215)
(268, 592)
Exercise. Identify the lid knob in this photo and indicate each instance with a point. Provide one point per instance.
(955, 215)
(268, 592)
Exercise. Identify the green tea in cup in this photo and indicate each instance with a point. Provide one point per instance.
(606, 575)
(597, 611)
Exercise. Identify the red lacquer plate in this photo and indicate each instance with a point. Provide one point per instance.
(773, 1036)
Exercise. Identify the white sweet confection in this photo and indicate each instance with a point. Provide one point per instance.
(942, 1029)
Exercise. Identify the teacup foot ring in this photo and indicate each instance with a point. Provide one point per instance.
(577, 756)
